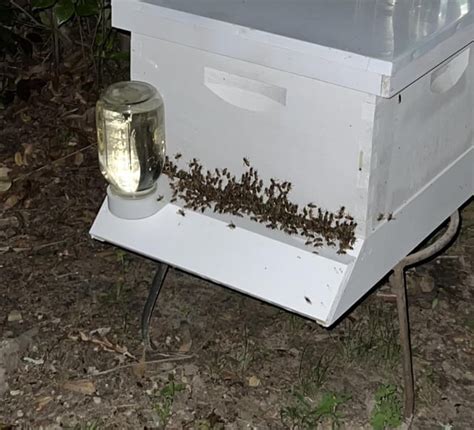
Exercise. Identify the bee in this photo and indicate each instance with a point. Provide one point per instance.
(181, 212)
(380, 217)
(159, 198)
(246, 162)
(390, 217)
(311, 205)
(178, 156)
(231, 225)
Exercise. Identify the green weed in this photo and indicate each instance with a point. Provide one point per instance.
(165, 400)
(387, 412)
(304, 413)
(312, 376)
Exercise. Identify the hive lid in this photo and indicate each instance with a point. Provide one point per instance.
(375, 46)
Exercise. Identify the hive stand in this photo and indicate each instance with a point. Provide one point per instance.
(399, 289)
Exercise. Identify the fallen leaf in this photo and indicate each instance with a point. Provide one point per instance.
(187, 340)
(139, 369)
(254, 381)
(18, 159)
(5, 182)
(78, 159)
(42, 402)
(28, 149)
(25, 117)
(102, 331)
(35, 361)
(84, 336)
(11, 202)
(186, 346)
(82, 386)
(14, 316)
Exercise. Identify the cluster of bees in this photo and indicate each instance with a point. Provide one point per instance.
(222, 192)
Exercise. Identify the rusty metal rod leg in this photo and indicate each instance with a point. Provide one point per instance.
(150, 303)
(398, 284)
(399, 287)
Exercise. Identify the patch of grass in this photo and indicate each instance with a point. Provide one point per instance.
(296, 323)
(122, 257)
(428, 387)
(304, 413)
(241, 357)
(313, 371)
(119, 293)
(373, 337)
(387, 412)
(165, 399)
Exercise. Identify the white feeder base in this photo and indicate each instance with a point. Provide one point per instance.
(293, 278)
(137, 207)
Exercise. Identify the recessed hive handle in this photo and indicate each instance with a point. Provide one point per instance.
(449, 74)
(243, 92)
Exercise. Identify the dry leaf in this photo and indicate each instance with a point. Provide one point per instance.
(10, 202)
(25, 117)
(187, 340)
(101, 331)
(139, 369)
(5, 182)
(254, 381)
(105, 344)
(82, 386)
(18, 159)
(28, 149)
(84, 336)
(42, 402)
(186, 346)
(78, 159)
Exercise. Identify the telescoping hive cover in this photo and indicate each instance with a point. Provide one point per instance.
(380, 92)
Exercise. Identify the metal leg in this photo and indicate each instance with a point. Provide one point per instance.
(398, 284)
(399, 287)
(150, 303)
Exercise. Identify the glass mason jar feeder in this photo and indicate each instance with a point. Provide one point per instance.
(131, 146)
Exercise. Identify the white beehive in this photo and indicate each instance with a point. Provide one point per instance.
(363, 104)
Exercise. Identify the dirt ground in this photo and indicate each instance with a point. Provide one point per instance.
(70, 311)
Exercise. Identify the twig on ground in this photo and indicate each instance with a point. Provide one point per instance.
(126, 366)
(26, 175)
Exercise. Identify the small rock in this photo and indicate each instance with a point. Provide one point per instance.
(35, 361)
(427, 284)
(19, 413)
(15, 316)
(14, 393)
(97, 400)
(10, 352)
(190, 369)
(254, 381)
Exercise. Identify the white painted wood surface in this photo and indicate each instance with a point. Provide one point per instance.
(375, 46)
(313, 113)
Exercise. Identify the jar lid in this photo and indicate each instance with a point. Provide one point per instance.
(128, 93)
